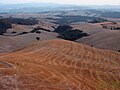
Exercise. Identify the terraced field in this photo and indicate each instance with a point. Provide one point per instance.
(60, 65)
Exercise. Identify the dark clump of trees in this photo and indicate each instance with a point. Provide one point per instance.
(4, 25)
(63, 28)
(68, 33)
(22, 21)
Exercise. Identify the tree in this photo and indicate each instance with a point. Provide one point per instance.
(38, 38)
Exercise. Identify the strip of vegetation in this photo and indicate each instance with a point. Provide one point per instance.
(97, 20)
(37, 30)
(6, 23)
(21, 21)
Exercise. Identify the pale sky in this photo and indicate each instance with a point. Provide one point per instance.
(78, 2)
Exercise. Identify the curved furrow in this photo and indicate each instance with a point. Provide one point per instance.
(61, 65)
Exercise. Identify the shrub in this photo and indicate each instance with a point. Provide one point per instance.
(38, 32)
(13, 32)
(38, 38)
(38, 28)
(23, 33)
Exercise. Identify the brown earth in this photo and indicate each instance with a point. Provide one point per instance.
(60, 65)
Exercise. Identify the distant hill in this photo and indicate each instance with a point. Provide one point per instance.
(43, 7)
(99, 37)
(104, 40)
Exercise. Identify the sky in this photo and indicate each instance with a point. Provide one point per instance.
(77, 2)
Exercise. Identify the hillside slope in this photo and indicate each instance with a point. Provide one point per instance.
(99, 37)
(105, 40)
(60, 65)
(12, 43)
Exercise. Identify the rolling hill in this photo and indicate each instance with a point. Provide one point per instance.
(99, 37)
(60, 65)
(109, 39)
(13, 43)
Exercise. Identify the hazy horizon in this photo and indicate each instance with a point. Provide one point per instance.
(73, 2)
